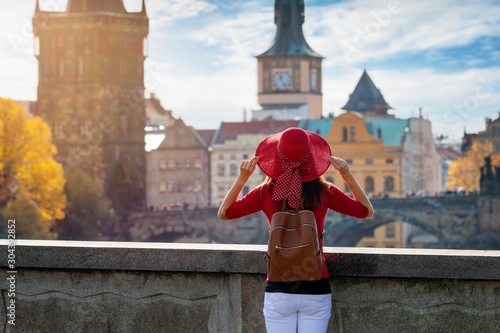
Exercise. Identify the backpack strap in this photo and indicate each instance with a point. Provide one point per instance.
(286, 198)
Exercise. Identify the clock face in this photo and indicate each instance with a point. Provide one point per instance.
(281, 80)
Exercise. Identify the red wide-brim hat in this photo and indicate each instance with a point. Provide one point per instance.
(294, 143)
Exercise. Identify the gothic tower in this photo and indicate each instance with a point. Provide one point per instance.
(91, 92)
(289, 72)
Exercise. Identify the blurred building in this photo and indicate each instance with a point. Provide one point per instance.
(491, 134)
(289, 72)
(178, 174)
(390, 235)
(448, 156)
(91, 92)
(157, 121)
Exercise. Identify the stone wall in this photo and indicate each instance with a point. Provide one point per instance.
(65, 286)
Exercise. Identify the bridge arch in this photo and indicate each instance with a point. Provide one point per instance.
(348, 231)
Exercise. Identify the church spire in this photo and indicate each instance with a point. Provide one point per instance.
(37, 8)
(289, 39)
(143, 10)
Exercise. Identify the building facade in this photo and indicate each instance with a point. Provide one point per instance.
(91, 92)
(178, 174)
(376, 163)
(289, 72)
(491, 134)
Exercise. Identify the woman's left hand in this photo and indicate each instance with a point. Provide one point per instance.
(340, 165)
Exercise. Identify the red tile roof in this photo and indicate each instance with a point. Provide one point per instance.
(229, 131)
(449, 153)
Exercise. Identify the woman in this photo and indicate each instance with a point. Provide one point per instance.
(294, 161)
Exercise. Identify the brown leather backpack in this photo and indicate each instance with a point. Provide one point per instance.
(293, 250)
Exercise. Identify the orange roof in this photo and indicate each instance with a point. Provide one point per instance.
(229, 131)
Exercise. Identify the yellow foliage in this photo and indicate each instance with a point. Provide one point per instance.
(27, 169)
(465, 172)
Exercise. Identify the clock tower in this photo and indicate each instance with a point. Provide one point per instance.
(91, 92)
(289, 72)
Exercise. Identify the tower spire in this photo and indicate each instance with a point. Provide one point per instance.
(37, 8)
(289, 39)
(143, 10)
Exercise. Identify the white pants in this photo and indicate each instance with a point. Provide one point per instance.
(291, 313)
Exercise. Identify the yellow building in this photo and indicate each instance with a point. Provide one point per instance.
(390, 235)
(376, 165)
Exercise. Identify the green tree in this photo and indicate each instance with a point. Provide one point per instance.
(29, 221)
(28, 172)
(87, 213)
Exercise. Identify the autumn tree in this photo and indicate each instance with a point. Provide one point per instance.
(29, 175)
(465, 172)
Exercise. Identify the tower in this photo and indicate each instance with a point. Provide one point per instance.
(289, 72)
(91, 92)
(367, 99)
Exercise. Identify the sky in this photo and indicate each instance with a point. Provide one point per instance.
(442, 56)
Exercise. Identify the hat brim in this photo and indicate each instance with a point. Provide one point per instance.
(271, 165)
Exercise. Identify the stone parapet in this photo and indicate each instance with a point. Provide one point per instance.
(66, 286)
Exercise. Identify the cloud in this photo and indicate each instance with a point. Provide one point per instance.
(359, 31)
(164, 13)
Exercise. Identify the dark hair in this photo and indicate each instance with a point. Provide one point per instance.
(311, 191)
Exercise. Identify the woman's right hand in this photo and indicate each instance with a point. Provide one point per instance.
(248, 167)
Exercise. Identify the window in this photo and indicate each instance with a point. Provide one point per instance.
(389, 161)
(388, 184)
(180, 187)
(171, 163)
(369, 161)
(369, 184)
(349, 161)
(314, 81)
(162, 164)
(58, 130)
(187, 164)
(353, 133)
(80, 67)
(37, 46)
(189, 186)
(329, 179)
(221, 156)
(197, 163)
(197, 185)
(347, 189)
(162, 186)
(344, 134)
(233, 169)
(232, 156)
(61, 68)
(179, 164)
(221, 169)
(170, 186)
(390, 231)
(221, 191)
(245, 156)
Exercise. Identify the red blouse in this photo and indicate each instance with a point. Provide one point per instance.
(260, 199)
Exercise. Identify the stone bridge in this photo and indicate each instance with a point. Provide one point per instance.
(454, 220)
